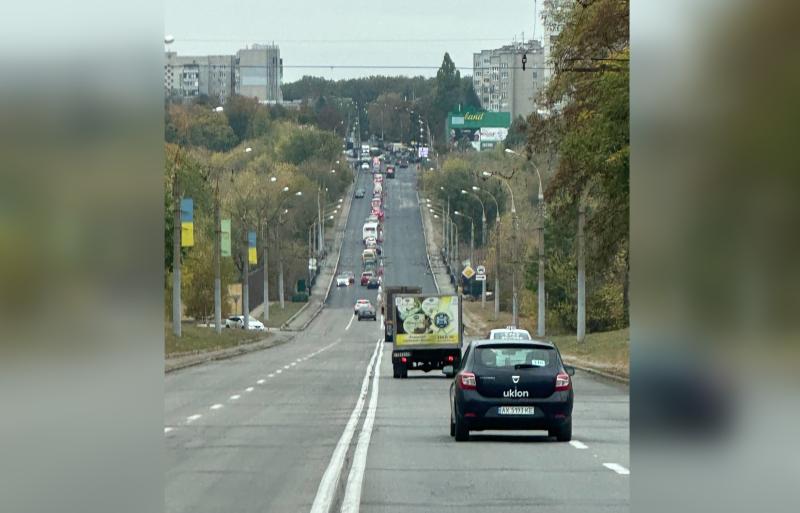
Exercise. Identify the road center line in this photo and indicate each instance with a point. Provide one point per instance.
(216, 406)
(330, 479)
(249, 389)
(192, 418)
(352, 495)
(578, 445)
(235, 397)
(616, 467)
(261, 381)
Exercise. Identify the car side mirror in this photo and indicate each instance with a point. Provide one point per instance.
(449, 371)
(570, 370)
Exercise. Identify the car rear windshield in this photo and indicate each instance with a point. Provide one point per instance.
(515, 356)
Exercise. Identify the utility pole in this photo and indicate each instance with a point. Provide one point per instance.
(266, 273)
(280, 270)
(581, 269)
(514, 251)
(217, 265)
(540, 324)
(321, 233)
(497, 267)
(176, 251)
(246, 278)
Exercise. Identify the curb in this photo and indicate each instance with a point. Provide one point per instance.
(290, 319)
(603, 374)
(427, 249)
(223, 354)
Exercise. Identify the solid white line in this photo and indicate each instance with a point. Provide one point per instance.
(167, 430)
(235, 397)
(619, 469)
(352, 495)
(261, 381)
(326, 491)
(349, 323)
(578, 445)
(192, 418)
(249, 389)
(216, 406)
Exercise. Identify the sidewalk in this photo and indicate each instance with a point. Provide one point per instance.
(437, 265)
(327, 273)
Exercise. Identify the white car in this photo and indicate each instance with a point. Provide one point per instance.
(365, 166)
(237, 321)
(342, 280)
(509, 333)
(361, 303)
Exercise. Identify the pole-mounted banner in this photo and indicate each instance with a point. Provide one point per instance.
(187, 223)
(225, 237)
(252, 256)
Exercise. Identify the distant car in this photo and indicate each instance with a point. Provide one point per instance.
(403, 163)
(366, 276)
(360, 193)
(365, 166)
(342, 280)
(390, 172)
(367, 312)
(361, 303)
(509, 333)
(235, 321)
(351, 277)
(374, 282)
(517, 385)
(255, 324)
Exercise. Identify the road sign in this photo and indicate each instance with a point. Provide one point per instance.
(481, 269)
(468, 272)
(480, 277)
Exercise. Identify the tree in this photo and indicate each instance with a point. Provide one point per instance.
(240, 111)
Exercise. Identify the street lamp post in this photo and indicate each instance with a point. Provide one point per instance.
(472, 235)
(487, 174)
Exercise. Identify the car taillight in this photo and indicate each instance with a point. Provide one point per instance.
(562, 381)
(450, 358)
(466, 381)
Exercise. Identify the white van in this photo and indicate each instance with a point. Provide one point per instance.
(369, 230)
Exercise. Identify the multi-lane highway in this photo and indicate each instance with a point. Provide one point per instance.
(319, 424)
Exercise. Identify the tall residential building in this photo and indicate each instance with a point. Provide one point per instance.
(500, 82)
(551, 14)
(259, 71)
(188, 77)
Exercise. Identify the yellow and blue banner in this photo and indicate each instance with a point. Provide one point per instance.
(252, 256)
(187, 223)
(225, 237)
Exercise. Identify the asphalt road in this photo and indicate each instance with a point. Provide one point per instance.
(318, 424)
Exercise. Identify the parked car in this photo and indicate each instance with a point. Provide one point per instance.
(361, 303)
(367, 312)
(237, 321)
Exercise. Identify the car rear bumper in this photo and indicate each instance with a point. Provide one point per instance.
(479, 412)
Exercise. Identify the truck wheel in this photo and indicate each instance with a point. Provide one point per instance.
(403, 371)
(460, 430)
(395, 371)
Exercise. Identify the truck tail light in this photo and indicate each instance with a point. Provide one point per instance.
(404, 359)
(450, 358)
(562, 382)
(466, 381)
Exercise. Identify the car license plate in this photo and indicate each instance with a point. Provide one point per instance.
(515, 410)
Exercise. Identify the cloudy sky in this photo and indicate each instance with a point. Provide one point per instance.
(368, 34)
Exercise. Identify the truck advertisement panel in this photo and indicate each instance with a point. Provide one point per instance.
(427, 320)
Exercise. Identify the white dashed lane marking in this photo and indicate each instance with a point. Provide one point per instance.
(616, 467)
(578, 445)
(235, 397)
(271, 375)
(249, 389)
(261, 381)
(192, 418)
(167, 430)
(216, 406)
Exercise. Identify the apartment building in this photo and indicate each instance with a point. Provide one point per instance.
(259, 71)
(500, 82)
(188, 77)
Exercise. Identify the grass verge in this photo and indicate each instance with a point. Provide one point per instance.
(277, 316)
(195, 339)
(607, 351)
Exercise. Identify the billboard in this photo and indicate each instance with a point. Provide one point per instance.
(478, 129)
(494, 134)
(423, 320)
